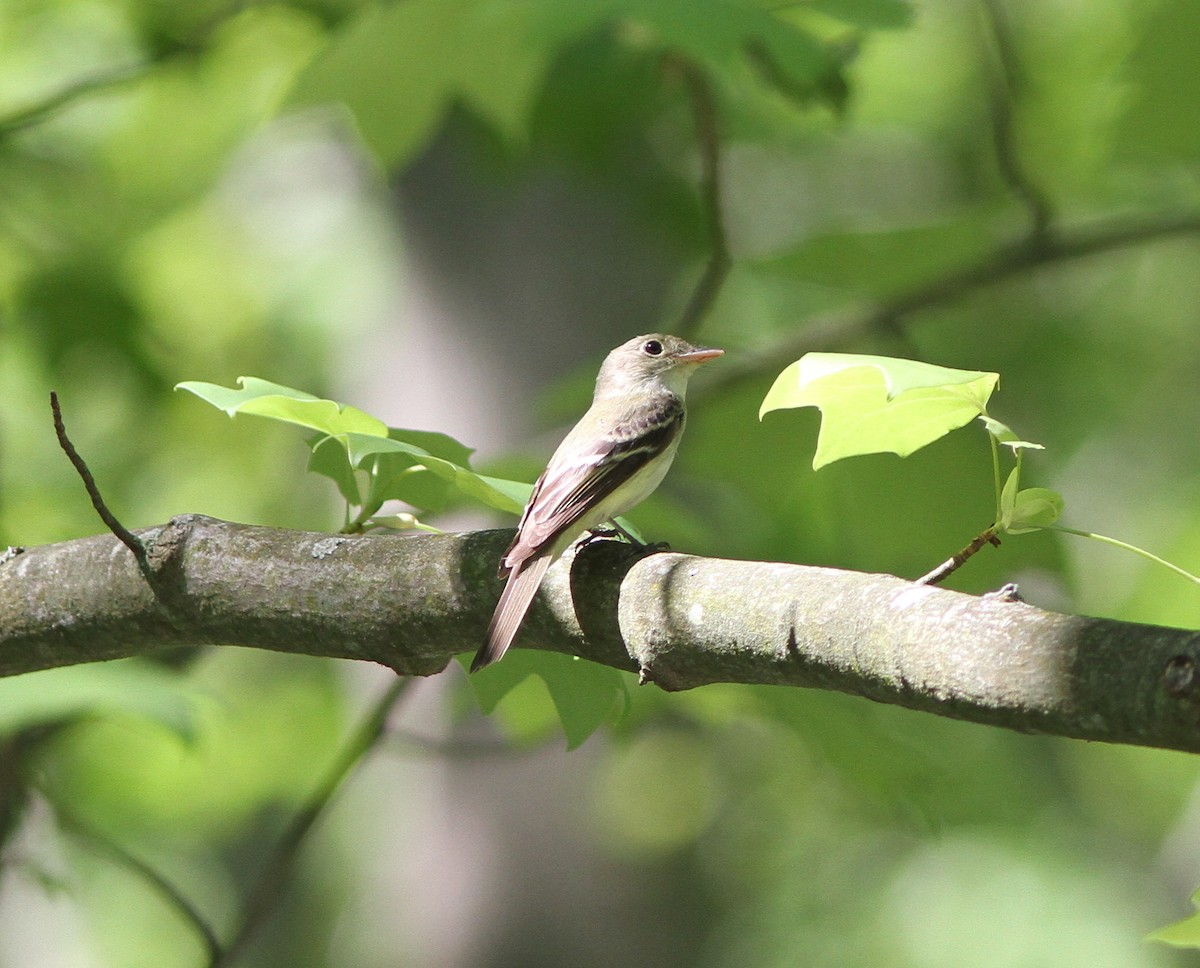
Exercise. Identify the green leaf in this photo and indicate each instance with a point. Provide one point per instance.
(1008, 496)
(409, 473)
(1028, 509)
(329, 459)
(1035, 508)
(399, 66)
(1006, 436)
(265, 399)
(130, 688)
(1181, 934)
(585, 694)
(877, 404)
(425, 469)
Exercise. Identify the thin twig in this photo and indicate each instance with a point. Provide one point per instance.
(91, 837)
(274, 876)
(952, 564)
(704, 112)
(1007, 84)
(124, 535)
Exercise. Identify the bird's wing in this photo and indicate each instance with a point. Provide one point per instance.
(574, 484)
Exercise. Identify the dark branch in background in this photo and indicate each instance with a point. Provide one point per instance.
(1007, 84)
(1003, 263)
(272, 880)
(126, 537)
(413, 602)
(708, 137)
(97, 841)
(274, 876)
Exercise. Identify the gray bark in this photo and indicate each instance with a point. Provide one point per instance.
(411, 602)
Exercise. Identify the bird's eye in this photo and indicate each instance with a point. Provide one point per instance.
(652, 347)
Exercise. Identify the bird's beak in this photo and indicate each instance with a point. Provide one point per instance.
(699, 356)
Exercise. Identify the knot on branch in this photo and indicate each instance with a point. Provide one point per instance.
(1179, 678)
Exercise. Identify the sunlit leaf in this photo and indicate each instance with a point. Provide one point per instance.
(1027, 509)
(265, 399)
(1005, 435)
(423, 468)
(877, 404)
(410, 473)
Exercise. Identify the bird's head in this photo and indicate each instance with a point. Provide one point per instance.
(646, 362)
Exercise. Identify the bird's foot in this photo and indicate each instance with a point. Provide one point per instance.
(614, 530)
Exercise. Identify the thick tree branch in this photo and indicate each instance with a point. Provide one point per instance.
(413, 602)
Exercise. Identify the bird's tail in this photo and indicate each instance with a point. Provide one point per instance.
(514, 602)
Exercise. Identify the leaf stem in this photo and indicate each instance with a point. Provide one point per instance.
(1127, 547)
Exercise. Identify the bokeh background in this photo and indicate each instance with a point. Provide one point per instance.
(445, 213)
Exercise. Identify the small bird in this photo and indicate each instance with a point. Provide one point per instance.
(610, 462)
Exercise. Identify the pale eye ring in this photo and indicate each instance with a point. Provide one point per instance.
(652, 347)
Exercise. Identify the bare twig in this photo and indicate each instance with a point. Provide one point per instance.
(952, 564)
(719, 262)
(124, 535)
(274, 876)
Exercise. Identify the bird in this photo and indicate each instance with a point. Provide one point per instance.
(611, 460)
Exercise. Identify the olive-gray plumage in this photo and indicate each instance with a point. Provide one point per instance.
(610, 462)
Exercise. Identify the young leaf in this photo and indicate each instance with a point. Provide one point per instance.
(425, 469)
(328, 459)
(1030, 509)
(265, 399)
(877, 404)
(409, 473)
(1006, 436)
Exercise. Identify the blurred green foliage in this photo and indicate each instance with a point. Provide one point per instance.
(200, 191)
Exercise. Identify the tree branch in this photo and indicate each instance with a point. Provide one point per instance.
(1007, 83)
(708, 137)
(1003, 263)
(412, 602)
